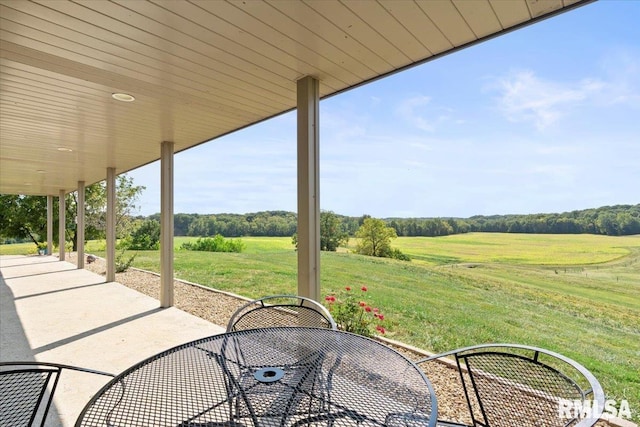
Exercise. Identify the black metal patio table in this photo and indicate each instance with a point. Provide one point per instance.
(281, 376)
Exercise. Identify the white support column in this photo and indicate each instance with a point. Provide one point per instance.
(111, 224)
(80, 224)
(308, 188)
(49, 225)
(61, 225)
(166, 225)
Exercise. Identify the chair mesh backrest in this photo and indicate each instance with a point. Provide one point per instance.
(280, 311)
(23, 391)
(513, 389)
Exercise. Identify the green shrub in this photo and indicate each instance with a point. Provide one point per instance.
(146, 237)
(122, 263)
(397, 254)
(215, 244)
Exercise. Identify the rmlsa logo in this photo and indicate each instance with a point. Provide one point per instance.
(589, 409)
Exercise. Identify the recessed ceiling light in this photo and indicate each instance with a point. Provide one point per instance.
(65, 149)
(124, 97)
(41, 171)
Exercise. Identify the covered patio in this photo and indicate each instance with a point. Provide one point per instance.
(92, 90)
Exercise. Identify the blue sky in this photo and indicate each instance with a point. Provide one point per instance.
(544, 119)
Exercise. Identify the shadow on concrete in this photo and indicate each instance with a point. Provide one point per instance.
(14, 345)
(47, 273)
(60, 290)
(96, 330)
(4, 263)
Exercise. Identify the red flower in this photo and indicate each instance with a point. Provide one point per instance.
(353, 314)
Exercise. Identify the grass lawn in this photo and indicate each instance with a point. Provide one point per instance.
(575, 294)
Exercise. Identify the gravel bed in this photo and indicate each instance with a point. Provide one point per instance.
(206, 303)
(217, 307)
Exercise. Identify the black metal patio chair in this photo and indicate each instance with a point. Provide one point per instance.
(281, 310)
(27, 389)
(507, 385)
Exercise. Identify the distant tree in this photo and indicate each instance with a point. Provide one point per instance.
(362, 219)
(607, 224)
(203, 226)
(628, 224)
(181, 224)
(332, 233)
(146, 237)
(375, 238)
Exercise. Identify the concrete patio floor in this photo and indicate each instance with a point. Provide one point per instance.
(52, 312)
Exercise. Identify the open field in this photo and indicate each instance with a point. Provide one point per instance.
(575, 294)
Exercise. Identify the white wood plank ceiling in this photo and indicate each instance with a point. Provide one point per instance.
(198, 69)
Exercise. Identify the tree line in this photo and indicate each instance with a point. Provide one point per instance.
(618, 220)
(23, 218)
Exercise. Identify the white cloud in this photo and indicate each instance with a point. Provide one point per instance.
(412, 110)
(422, 113)
(524, 97)
(622, 67)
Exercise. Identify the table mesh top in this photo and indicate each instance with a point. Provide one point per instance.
(274, 376)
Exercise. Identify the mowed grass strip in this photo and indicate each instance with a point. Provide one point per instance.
(578, 295)
(536, 249)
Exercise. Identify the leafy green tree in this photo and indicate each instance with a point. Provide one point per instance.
(95, 204)
(146, 237)
(332, 233)
(608, 225)
(181, 224)
(375, 238)
(362, 219)
(23, 217)
(628, 224)
(26, 216)
(203, 226)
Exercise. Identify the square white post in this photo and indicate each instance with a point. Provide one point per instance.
(61, 225)
(111, 225)
(80, 224)
(308, 188)
(49, 225)
(166, 225)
